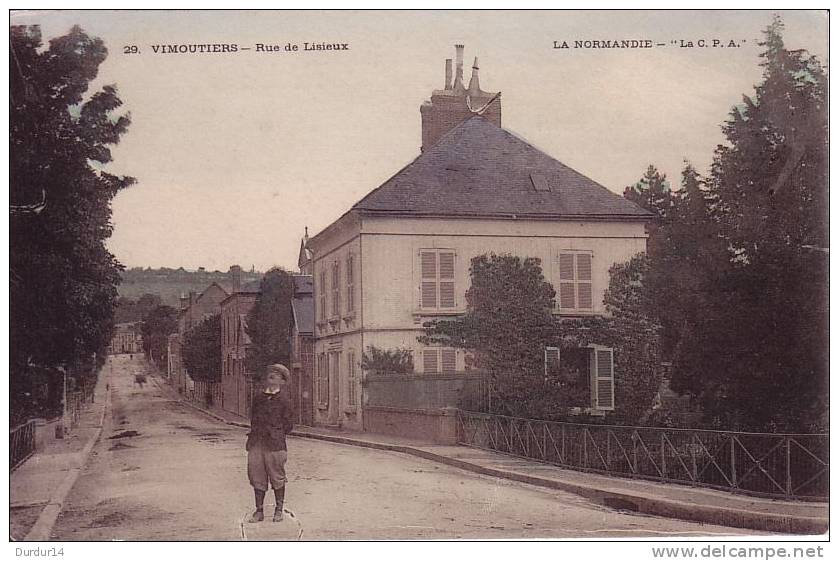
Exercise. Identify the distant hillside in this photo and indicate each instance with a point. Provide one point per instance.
(169, 284)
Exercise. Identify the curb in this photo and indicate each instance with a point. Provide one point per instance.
(45, 523)
(645, 504)
(769, 522)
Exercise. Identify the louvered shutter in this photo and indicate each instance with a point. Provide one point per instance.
(429, 361)
(584, 281)
(567, 296)
(447, 279)
(551, 360)
(322, 302)
(336, 289)
(448, 360)
(428, 286)
(605, 377)
(350, 285)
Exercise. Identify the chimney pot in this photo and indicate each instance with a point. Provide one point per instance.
(458, 77)
(448, 74)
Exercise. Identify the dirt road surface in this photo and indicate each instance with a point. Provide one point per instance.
(163, 471)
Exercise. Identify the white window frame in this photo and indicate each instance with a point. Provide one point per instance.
(437, 280)
(576, 282)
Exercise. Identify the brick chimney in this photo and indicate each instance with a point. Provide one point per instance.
(454, 103)
(235, 274)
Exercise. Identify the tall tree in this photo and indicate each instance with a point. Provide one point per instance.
(507, 325)
(757, 355)
(269, 322)
(202, 350)
(63, 279)
(651, 192)
(157, 326)
(688, 250)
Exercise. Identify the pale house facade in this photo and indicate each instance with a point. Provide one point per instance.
(401, 255)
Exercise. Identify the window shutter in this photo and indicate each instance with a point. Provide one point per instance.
(567, 297)
(448, 359)
(605, 391)
(351, 399)
(447, 280)
(551, 360)
(350, 282)
(336, 289)
(584, 280)
(322, 295)
(429, 361)
(428, 270)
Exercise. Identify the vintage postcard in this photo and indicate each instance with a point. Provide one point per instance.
(419, 275)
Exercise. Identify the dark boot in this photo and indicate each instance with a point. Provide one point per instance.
(279, 498)
(259, 499)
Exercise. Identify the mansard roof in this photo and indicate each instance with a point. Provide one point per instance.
(479, 169)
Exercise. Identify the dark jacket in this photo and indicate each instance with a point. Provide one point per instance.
(271, 420)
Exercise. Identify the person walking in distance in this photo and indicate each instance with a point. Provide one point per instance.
(271, 420)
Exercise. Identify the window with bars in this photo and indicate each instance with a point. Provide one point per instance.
(336, 288)
(437, 280)
(323, 380)
(575, 281)
(351, 381)
(439, 361)
(350, 285)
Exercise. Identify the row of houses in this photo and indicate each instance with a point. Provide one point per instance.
(400, 257)
(233, 300)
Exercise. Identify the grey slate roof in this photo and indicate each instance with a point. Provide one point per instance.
(302, 284)
(303, 310)
(480, 169)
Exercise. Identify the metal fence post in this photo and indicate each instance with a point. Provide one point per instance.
(663, 459)
(563, 460)
(585, 448)
(694, 471)
(634, 453)
(732, 438)
(788, 468)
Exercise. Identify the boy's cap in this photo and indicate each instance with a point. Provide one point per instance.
(279, 369)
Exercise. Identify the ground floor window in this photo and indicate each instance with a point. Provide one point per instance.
(439, 360)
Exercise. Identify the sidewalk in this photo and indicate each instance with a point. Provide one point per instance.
(658, 499)
(39, 487)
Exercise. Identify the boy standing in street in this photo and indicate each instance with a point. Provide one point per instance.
(271, 420)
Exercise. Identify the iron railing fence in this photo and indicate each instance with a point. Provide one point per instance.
(792, 466)
(21, 443)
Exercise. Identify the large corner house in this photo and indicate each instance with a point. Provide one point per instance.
(401, 255)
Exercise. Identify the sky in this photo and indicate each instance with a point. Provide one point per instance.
(236, 153)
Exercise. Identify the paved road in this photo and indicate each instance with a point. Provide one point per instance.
(163, 471)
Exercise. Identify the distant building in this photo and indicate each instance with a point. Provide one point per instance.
(235, 379)
(193, 310)
(127, 338)
(401, 256)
